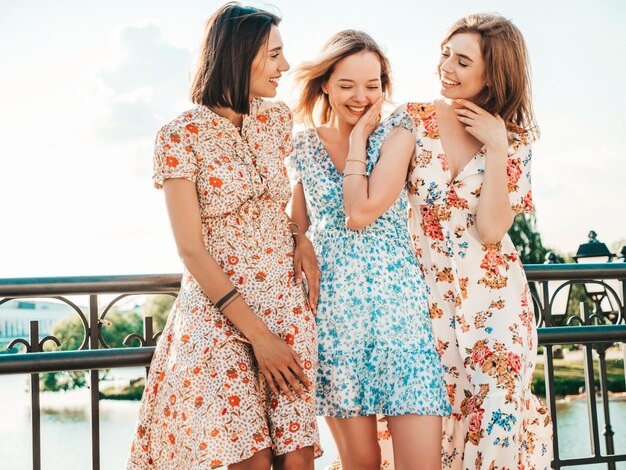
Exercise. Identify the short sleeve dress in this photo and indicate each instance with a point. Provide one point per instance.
(205, 404)
(376, 348)
(479, 305)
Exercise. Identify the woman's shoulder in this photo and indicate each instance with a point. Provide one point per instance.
(188, 124)
(267, 111)
(518, 135)
(421, 111)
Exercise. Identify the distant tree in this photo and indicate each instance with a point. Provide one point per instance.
(527, 239)
(158, 307)
(70, 333)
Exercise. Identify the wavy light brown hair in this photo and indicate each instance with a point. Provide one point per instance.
(232, 38)
(313, 74)
(507, 68)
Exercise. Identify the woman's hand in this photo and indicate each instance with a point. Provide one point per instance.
(304, 260)
(367, 123)
(280, 365)
(487, 128)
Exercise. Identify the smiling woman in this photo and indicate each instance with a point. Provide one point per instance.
(232, 378)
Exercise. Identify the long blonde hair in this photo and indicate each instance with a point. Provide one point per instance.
(507, 68)
(313, 74)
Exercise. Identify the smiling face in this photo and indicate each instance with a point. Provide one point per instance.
(461, 67)
(354, 86)
(268, 66)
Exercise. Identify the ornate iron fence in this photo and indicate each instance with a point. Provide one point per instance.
(596, 330)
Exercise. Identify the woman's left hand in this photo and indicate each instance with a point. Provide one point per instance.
(305, 261)
(487, 128)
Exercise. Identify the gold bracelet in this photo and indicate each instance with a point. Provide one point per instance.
(354, 174)
(356, 160)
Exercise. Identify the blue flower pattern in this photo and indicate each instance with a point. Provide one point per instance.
(376, 347)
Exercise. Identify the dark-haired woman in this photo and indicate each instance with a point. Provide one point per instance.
(232, 378)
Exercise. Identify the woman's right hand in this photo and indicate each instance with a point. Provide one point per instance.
(280, 365)
(368, 122)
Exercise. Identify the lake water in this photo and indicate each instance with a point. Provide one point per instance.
(65, 430)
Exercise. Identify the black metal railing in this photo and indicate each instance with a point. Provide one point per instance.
(595, 329)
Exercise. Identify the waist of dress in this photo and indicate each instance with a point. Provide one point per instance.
(378, 230)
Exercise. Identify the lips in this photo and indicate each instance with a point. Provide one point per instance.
(356, 109)
(274, 80)
(447, 83)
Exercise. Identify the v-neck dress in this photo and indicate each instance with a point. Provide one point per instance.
(205, 404)
(480, 305)
(376, 348)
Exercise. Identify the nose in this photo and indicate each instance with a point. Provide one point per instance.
(445, 64)
(284, 65)
(360, 95)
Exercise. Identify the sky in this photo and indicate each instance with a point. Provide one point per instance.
(84, 87)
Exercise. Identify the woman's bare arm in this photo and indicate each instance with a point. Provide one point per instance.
(277, 361)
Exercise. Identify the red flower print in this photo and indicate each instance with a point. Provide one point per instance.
(175, 138)
(215, 182)
(172, 438)
(513, 173)
(263, 118)
(260, 276)
(294, 426)
(204, 445)
(216, 463)
(234, 400)
(492, 260)
(198, 402)
(232, 373)
(171, 161)
(514, 362)
(307, 365)
(258, 437)
(297, 310)
(274, 403)
(215, 432)
(279, 432)
(289, 339)
(184, 338)
(476, 421)
(233, 260)
(141, 431)
(173, 399)
(197, 370)
(192, 128)
(243, 367)
(234, 437)
(480, 355)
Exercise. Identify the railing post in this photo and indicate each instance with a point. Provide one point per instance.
(35, 406)
(604, 389)
(94, 383)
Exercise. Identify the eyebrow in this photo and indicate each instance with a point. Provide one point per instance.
(447, 48)
(352, 81)
(277, 48)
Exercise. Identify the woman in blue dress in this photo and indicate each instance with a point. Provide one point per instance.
(376, 348)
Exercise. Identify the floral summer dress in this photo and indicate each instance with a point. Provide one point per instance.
(205, 404)
(376, 348)
(479, 305)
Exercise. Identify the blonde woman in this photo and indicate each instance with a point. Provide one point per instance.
(376, 349)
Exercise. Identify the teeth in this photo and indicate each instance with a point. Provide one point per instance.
(274, 79)
(356, 110)
(449, 82)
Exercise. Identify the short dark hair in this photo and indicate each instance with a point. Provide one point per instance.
(233, 37)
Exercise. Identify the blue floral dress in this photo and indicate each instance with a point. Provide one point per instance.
(376, 347)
